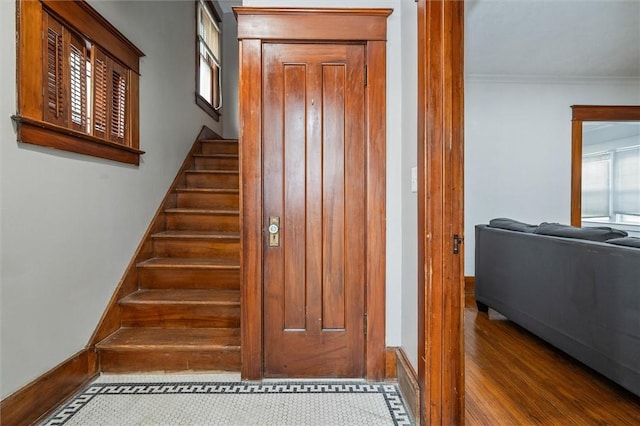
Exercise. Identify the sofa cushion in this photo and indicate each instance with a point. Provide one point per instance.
(625, 241)
(596, 233)
(512, 225)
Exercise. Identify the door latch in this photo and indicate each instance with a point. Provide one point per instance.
(274, 231)
(457, 240)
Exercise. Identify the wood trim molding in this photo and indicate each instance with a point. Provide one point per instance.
(581, 113)
(391, 368)
(440, 211)
(469, 285)
(605, 112)
(110, 320)
(256, 25)
(376, 212)
(104, 33)
(43, 395)
(408, 384)
(576, 173)
(250, 87)
(312, 23)
(45, 134)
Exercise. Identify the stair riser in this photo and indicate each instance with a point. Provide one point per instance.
(208, 201)
(202, 222)
(147, 361)
(213, 180)
(189, 278)
(220, 148)
(212, 163)
(197, 248)
(180, 316)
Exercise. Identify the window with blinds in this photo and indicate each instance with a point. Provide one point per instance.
(89, 81)
(208, 81)
(611, 185)
(596, 194)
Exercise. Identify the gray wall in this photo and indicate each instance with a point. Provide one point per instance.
(409, 199)
(71, 223)
(230, 76)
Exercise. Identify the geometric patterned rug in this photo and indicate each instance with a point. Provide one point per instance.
(323, 402)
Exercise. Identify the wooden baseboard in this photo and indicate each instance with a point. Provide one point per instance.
(469, 285)
(408, 384)
(40, 397)
(390, 365)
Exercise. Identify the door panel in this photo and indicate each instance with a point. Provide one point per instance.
(313, 168)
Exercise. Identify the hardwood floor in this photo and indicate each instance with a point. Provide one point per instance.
(514, 378)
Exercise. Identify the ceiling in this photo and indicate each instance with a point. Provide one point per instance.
(547, 38)
(554, 38)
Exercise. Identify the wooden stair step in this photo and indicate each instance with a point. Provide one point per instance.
(219, 146)
(130, 350)
(204, 211)
(208, 198)
(189, 273)
(219, 140)
(203, 219)
(215, 161)
(182, 296)
(198, 235)
(200, 244)
(220, 179)
(179, 263)
(181, 308)
(129, 339)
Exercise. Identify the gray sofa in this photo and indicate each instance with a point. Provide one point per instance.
(581, 296)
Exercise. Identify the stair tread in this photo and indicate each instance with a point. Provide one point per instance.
(195, 262)
(214, 235)
(212, 172)
(149, 338)
(184, 296)
(203, 211)
(209, 190)
(233, 156)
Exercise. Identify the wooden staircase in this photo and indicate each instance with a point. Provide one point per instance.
(179, 307)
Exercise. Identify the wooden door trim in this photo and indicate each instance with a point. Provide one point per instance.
(440, 211)
(314, 24)
(251, 25)
(579, 114)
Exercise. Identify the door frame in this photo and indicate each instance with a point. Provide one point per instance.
(440, 211)
(331, 25)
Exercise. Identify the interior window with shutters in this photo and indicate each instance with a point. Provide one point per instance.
(208, 81)
(88, 81)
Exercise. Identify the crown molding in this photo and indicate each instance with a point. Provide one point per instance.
(549, 79)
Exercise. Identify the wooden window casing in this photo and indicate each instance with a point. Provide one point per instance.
(78, 81)
(580, 114)
(208, 59)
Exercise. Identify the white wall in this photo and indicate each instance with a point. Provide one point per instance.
(409, 199)
(71, 223)
(518, 147)
(394, 148)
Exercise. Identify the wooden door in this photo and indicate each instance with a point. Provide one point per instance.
(314, 183)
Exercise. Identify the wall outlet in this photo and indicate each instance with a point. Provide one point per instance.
(414, 179)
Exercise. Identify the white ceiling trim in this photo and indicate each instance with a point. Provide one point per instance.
(549, 79)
